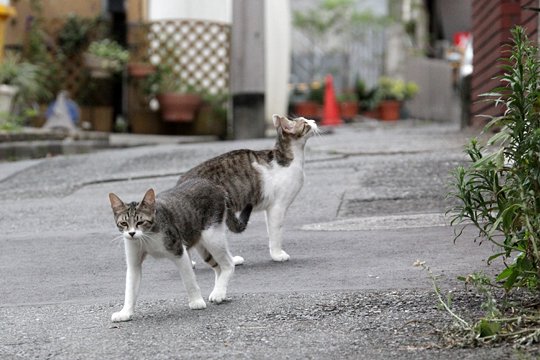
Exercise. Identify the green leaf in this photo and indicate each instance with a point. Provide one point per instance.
(486, 328)
(504, 274)
(511, 280)
(495, 256)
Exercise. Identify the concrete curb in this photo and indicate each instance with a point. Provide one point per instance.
(35, 144)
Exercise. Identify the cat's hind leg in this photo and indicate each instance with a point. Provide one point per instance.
(238, 260)
(183, 263)
(214, 249)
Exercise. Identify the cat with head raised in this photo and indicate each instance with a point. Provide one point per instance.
(268, 180)
(194, 214)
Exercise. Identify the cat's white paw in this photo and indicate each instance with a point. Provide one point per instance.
(217, 296)
(198, 304)
(238, 260)
(121, 316)
(280, 256)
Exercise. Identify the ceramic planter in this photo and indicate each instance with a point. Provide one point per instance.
(348, 109)
(99, 67)
(176, 107)
(140, 69)
(7, 94)
(373, 113)
(389, 110)
(307, 109)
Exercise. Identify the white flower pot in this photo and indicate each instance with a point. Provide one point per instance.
(7, 94)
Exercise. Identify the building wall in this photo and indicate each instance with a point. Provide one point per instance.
(277, 39)
(220, 10)
(52, 9)
(492, 22)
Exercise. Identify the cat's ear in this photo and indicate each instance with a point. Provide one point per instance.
(284, 123)
(116, 204)
(149, 199)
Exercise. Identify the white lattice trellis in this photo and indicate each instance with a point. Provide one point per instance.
(197, 51)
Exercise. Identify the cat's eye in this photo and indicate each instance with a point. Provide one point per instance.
(144, 222)
(123, 224)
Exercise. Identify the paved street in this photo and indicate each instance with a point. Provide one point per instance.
(372, 203)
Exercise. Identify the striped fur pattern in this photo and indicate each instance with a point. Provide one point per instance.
(194, 214)
(267, 180)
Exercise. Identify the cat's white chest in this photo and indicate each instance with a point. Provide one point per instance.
(152, 245)
(281, 184)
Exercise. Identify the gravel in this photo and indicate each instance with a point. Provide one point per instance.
(400, 324)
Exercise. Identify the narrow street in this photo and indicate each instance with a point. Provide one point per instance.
(372, 204)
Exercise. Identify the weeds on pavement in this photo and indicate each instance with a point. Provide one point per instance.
(499, 195)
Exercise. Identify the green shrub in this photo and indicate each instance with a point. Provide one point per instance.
(499, 192)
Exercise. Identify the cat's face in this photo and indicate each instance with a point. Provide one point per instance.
(297, 128)
(134, 219)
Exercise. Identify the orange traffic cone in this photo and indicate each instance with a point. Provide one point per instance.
(331, 109)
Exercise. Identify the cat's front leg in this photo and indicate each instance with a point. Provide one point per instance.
(196, 301)
(274, 224)
(134, 261)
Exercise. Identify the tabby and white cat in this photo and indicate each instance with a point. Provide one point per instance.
(191, 214)
(268, 180)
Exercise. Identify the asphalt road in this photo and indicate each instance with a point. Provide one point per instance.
(370, 207)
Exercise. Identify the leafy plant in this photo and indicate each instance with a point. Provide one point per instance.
(13, 122)
(499, 193)
(113, 54)
(23, 75)
(164, 80)
(347, 96)
(396, 89)
(330, 26)
(316, 92)
(74, 34)
(335, 17)
(35, 51)
(369, 98)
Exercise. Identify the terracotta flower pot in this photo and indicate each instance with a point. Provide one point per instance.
(176, 107)
(348, 109)
(389, 110)
(140, 69)
(373, 113)
(307, 109)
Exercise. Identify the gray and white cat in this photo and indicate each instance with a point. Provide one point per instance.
(268, 180)
(194, 213)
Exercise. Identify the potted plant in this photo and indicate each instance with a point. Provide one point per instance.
(348, 105)
(212, 116)
(409, 92)
(105, 57)
(73, 37)
(140, 69)
(393, 92)
(307, 100)
(178, 102)
(20, 82)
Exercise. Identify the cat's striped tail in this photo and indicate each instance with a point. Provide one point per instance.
(238, 224)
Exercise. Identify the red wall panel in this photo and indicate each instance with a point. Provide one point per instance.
(491, 25)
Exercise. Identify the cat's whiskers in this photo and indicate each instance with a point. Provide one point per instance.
(116, 241)
(116, 238)
(144, 239)
(316, 131)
